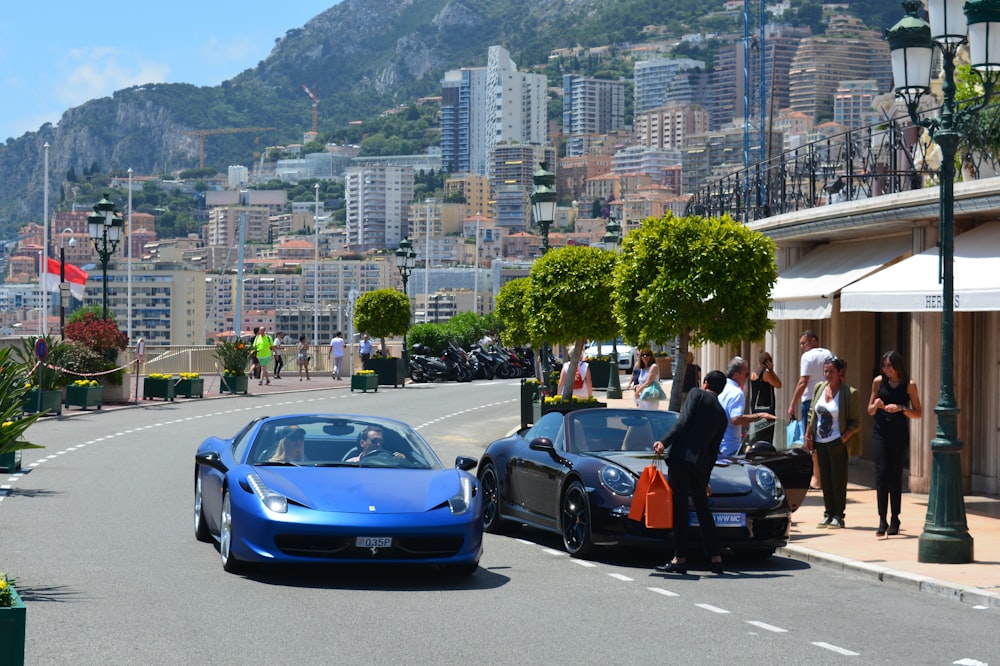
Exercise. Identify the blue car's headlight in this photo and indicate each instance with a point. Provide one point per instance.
(617, 480)
(461, 502)
(269, 498)
(768, 482)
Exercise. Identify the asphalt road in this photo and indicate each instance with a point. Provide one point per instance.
(100, 538)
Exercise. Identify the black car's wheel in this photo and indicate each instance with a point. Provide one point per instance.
(201, 532)
(492, 522)
(575, 520)
(755, 555)
(229, 561)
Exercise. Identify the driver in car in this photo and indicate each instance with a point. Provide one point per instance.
(370, 441)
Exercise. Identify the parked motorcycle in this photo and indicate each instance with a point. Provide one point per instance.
(427, 368)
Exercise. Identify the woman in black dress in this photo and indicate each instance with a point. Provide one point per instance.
(894, 400)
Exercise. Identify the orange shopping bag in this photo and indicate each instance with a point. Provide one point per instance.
(653, 500)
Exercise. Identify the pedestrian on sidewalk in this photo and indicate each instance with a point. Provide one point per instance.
(262, 345)
(692, 447)
(893, 402)
(810, 374)
(763, 381)
(649, 378)
(276, 353)
(365, 350)
(302, 357)
(834, 418)
(337, 354)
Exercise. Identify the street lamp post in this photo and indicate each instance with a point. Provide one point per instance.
(945, 538)
(612, 238)
(105, 226)
(316, 269)
(543, 204)
(405, 260)
(62, 280)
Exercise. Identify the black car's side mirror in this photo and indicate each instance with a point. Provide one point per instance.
(465, 463)
(545, 444)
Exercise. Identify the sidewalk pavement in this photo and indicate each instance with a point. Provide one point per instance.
(854, 549)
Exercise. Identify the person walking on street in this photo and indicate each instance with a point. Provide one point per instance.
(763, 381)
(583, 387)
(302, 357)
(262, 345)
(649, 376)
(337, 354)
(834, 418)
(276, 353)
(365, 350)
(692, 447)
(692, 375)
(810, 374)
(893, 401)
(733, 401)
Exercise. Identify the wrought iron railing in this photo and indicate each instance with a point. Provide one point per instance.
(890, 157)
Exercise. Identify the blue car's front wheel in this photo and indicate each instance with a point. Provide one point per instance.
(229, 561)
(575, 520)
(201, 532)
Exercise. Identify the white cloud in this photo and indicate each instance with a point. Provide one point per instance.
(87, 74)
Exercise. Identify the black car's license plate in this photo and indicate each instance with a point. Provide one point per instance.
(723, 519)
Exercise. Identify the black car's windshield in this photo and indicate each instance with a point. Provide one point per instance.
(333, 441)
(591, 430)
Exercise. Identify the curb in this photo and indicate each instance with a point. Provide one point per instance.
(874, 572)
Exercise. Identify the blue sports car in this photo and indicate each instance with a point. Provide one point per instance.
(335, 488)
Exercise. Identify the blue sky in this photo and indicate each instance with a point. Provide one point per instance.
(59, 54)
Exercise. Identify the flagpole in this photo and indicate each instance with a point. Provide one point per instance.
(43, 278)
(128, 259)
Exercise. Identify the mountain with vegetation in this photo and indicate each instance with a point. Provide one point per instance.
(360, 57)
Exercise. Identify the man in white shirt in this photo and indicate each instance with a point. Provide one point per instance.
(337, 354)
(733, 401)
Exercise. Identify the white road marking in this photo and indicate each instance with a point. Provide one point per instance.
(621, 577)
(768, 627)
(660, 590)
(583, 563)
(970, 662)
(834, 648)
(714, 609)
(553, 551)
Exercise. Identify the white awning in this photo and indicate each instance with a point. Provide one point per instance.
(805, 290)
(912, 285)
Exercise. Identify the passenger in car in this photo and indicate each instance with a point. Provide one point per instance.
(292, 447)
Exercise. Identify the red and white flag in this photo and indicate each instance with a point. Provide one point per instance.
(75, 276)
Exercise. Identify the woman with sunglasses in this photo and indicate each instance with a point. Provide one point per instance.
(648, 381)
(834, 418)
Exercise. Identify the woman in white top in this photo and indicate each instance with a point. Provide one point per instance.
(649, 375)
(582, 386)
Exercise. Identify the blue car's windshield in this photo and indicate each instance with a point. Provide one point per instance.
(327, 441)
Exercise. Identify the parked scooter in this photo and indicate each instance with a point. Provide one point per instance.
(427, 368)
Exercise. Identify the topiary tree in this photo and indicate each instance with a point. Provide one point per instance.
(694, 278)
(568, 300)
(510, 311)
(382, 313)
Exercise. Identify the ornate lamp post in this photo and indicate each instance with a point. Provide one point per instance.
(543, 205)
(945, 538)
(105, 225)
(405, 260)
(612, 238)
(63, 287)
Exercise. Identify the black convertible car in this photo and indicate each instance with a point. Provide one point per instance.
(574, 474)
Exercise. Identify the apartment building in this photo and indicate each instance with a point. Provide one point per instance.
(378, 203)
(590, 107)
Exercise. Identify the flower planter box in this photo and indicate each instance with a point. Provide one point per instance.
(666, 366)
(542, 408)
(10, 462)
(84, 397)
(155, 387)
(234, 384)
(12, 620)
(390, 371)
(600, 373)
(364, 382)
(51, 402)
(191, 388)
(529, 395)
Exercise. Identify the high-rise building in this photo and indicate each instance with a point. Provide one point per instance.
(590, 107)
(511, 185)
(516, 109)
(667, 127)
(853, 104)
(378, 202)
(654, 78)
(463, 121)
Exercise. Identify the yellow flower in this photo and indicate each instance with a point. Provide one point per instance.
(7, 423)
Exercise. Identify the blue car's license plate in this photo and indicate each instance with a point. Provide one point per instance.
(373, 542)
(723, 519)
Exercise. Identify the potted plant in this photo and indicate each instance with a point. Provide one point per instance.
(364, 380)
(44, 379)
(87, 329)
(12, 621)
(529, 396)
(84, 393)
(382, 313)
(234, 355)
(159, 385)
(556, 403)
(190, 385)
(13, 422)
(599, 368)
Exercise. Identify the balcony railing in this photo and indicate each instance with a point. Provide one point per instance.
(890, 157)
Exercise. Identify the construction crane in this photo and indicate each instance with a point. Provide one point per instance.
(201, 134)
(312, 96)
